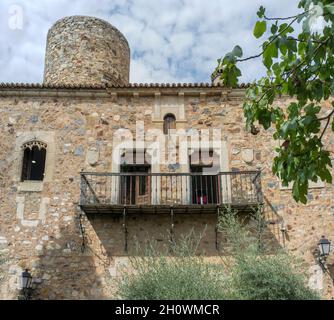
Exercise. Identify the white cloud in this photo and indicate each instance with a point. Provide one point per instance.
(170, 40)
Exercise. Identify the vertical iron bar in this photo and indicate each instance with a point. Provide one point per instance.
(206, 189)
(160, 191)
(201, 189)
(156, 190)
(196, 193)
(176, 195)
(171, 188)
(181, 189)
(126, 186)
(166, 190)
(216, 230)
(212, 193)
(131, 191)
(219, 195)
(125, 231)
(172, 225)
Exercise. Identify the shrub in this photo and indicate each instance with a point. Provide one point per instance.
(247, 273)
(256, 275)
(270, 277)
(175, 279)
(182, 276)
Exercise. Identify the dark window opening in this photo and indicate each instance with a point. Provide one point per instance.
(169, 123)
(204, 186)
(33, 167)
(135, 186)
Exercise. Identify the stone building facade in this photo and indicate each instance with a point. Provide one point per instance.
(75, 249)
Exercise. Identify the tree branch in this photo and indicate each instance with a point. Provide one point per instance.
(287, 18)
(327, 123)
(327, 117)
(269, 43)
(306, 41)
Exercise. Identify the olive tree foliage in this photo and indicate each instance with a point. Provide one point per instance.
(3, 260)
(258, 271)
(244, 270)
(299, 66)
(176, 273)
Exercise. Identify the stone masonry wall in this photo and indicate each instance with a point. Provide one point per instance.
(48, 239)
(86, 50)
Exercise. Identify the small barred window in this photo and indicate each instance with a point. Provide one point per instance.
(169, 123)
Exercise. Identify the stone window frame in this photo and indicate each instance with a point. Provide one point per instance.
(116, 168)
(44, 137)
(224, 166)
(169, 104)
(31, 145)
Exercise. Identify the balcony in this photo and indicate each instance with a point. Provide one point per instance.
(144, 192)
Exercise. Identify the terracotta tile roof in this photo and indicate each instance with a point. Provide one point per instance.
(101, 86)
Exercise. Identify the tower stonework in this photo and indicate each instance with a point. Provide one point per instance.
(84, 50)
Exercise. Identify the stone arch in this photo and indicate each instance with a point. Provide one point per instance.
(34, 139)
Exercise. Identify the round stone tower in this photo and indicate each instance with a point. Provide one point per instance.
(84, 50)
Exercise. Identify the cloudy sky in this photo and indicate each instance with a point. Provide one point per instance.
(170, 40)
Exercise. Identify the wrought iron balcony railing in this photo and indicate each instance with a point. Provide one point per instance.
(170, 189)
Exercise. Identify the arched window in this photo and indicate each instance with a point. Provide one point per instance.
(169, 122)
(33, 166)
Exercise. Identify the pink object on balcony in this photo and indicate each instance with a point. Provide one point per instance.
(202, 200)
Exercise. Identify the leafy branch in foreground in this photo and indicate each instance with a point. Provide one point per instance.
(301, 67)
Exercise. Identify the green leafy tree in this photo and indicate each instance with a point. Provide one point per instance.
(299, 66)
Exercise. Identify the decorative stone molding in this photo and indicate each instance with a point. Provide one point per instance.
(92, 157)
(41, 139)
(20, 205)
(30, 186)
(247, 155)
(34, 143)
(157, 101)
(169, 104)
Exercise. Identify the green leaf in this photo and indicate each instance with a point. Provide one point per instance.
(274, 28)
(268, 61)
(295, 191)
(261, 12)
(332, 87)
(329, 8)
(271, 50)
(260, 28)
(237, 51)
(283, 45)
